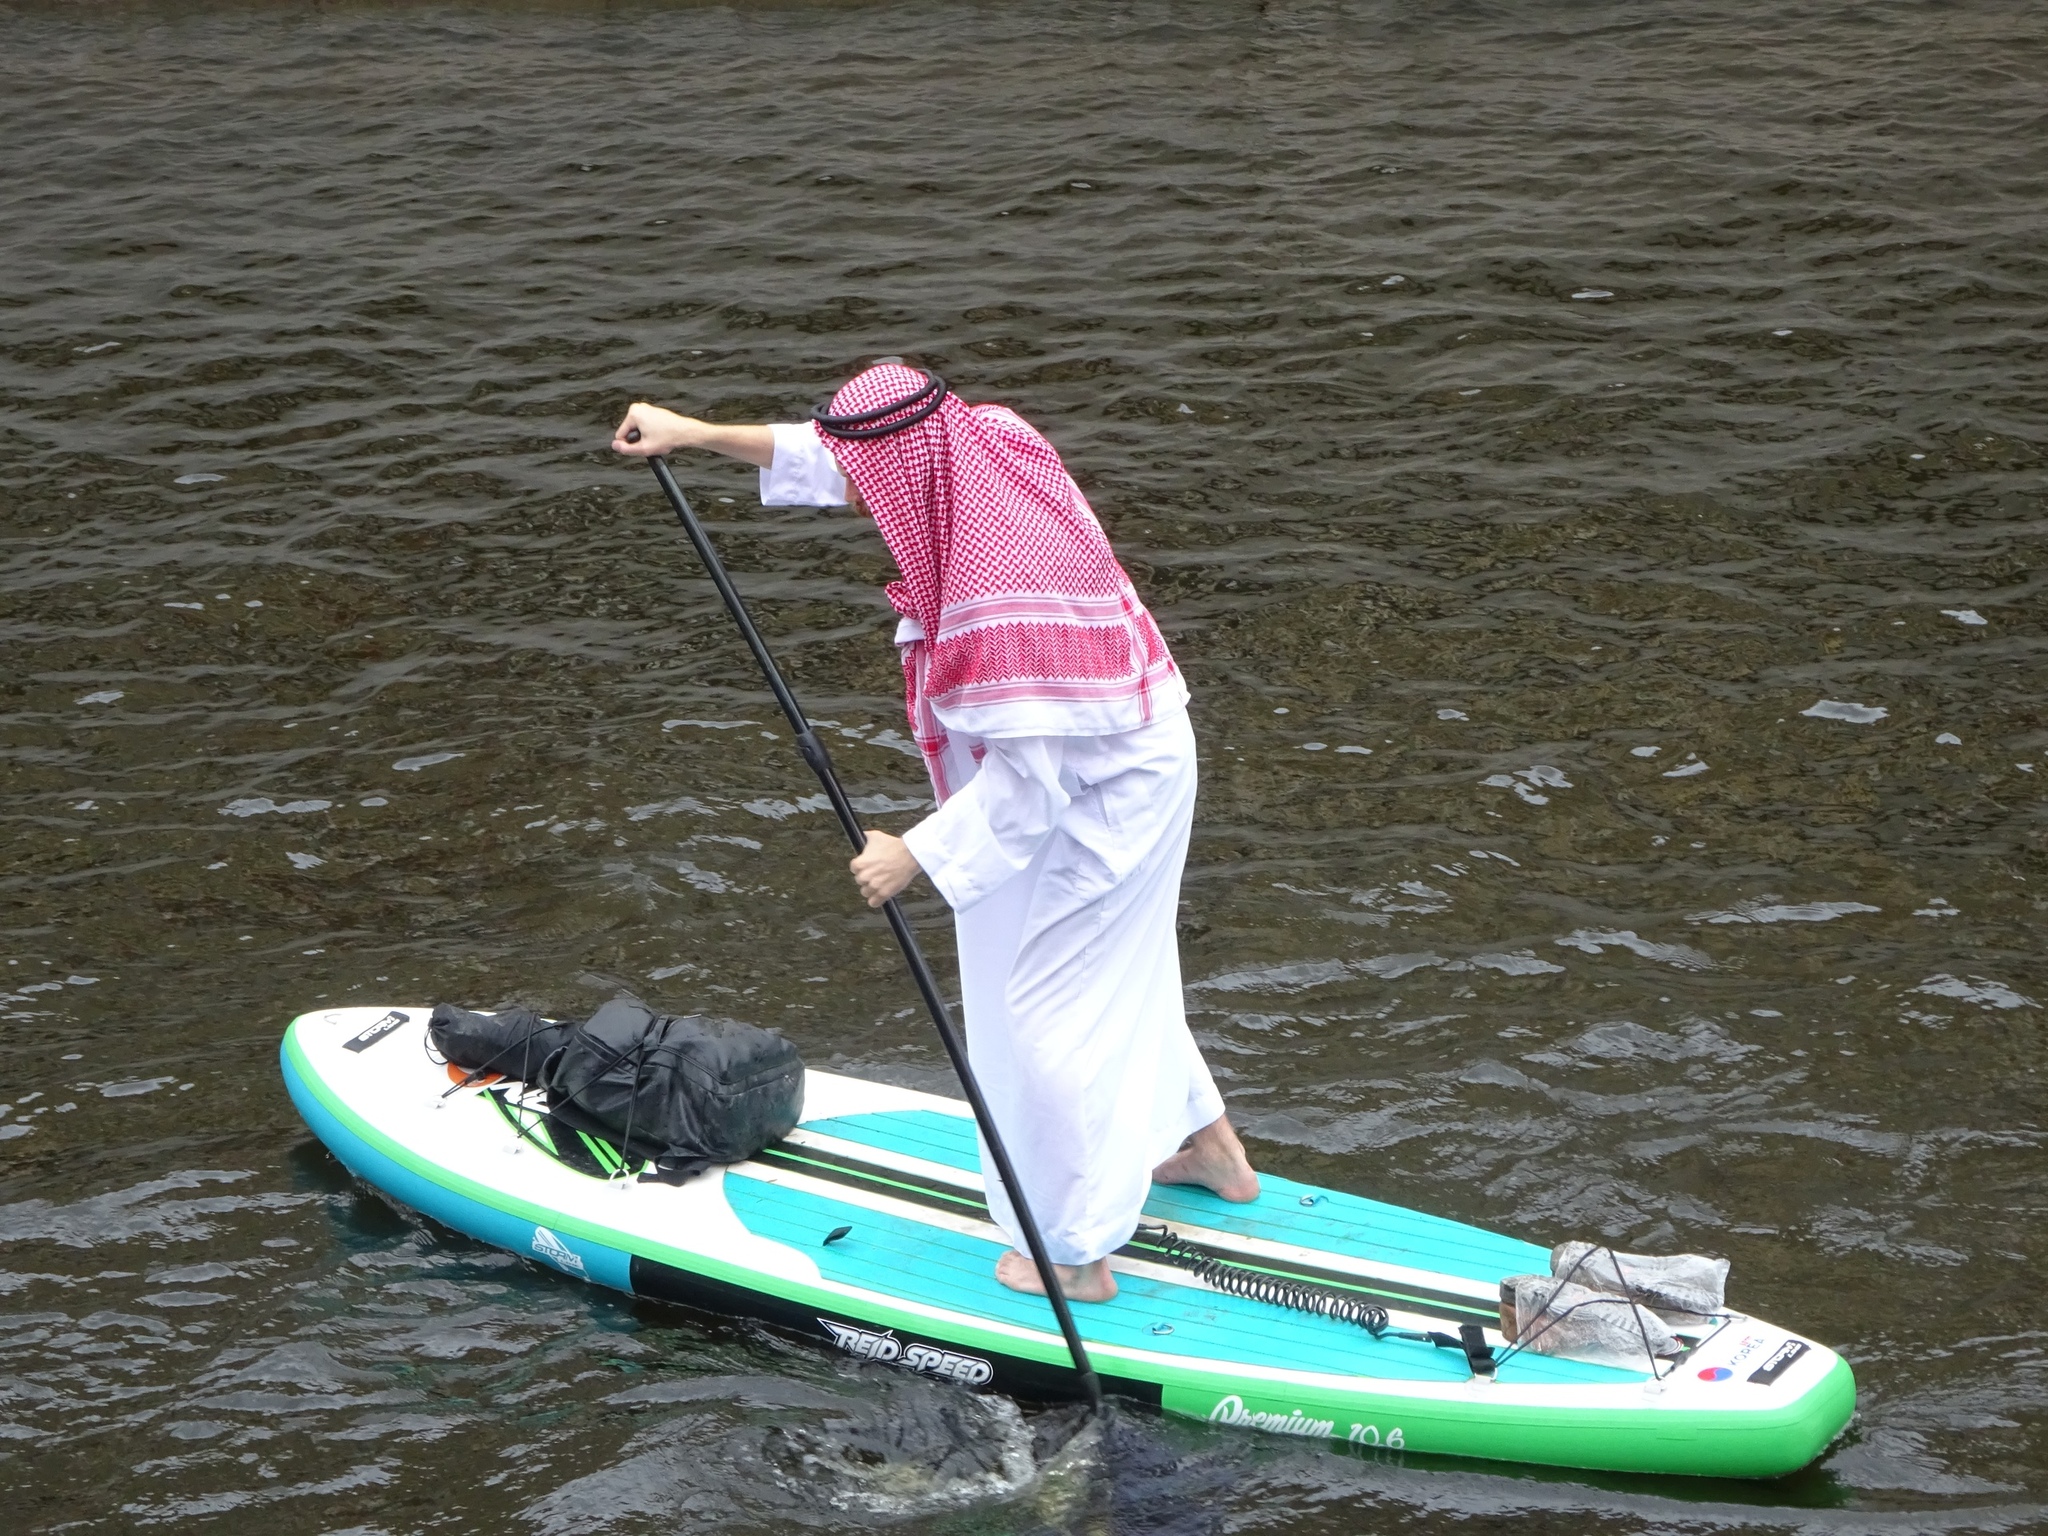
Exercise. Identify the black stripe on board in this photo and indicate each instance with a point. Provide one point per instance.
(824, 1164)
(934, 1194)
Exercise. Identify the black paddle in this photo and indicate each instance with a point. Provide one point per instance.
(814, 753)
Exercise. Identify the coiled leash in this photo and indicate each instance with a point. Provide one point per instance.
(1167, 1246)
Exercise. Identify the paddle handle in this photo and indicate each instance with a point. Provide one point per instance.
(820, 761)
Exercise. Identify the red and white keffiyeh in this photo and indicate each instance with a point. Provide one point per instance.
(1029, 625)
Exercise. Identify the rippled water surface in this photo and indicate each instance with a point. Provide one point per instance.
(1521, 419)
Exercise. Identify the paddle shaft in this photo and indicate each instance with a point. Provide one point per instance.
(813, 750)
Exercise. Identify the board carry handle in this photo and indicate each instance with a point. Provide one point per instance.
(814, 753)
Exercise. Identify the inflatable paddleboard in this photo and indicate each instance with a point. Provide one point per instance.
(865, 1230)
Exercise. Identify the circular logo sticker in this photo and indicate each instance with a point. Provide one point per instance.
(1716, 1373)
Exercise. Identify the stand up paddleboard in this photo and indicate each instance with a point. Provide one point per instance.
(865, 1229)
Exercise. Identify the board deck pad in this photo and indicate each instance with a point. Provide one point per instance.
(1284, 1212)
(910, 1283)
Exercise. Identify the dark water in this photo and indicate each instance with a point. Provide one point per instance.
(1505, 391)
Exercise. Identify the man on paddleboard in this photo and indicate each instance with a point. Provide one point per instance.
(1054, 725)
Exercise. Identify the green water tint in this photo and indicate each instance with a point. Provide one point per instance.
(398, 320)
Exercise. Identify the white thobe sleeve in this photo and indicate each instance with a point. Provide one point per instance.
(802, 473)
(988, 831)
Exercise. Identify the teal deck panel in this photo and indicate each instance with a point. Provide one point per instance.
(899, 1256)
(1337, 1223)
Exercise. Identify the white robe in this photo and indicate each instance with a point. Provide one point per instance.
(1061, 857)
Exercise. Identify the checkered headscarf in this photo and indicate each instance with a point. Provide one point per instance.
(1031, 627)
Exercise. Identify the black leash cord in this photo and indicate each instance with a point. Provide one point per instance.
(813, 750)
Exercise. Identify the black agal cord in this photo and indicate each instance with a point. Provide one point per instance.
(869, 424)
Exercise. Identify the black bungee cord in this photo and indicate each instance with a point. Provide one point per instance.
(865, 425)
(1549, 1320)
(486, 1068)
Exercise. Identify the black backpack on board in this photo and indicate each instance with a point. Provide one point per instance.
(681, 1091)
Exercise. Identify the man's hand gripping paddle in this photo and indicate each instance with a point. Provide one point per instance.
(814, 753)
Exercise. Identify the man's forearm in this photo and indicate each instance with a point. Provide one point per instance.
(755, 445)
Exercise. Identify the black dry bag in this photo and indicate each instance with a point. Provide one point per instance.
(682, 1091)
(513, 1042)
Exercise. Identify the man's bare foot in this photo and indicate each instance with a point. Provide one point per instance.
(1214, 1158)
(1081, 1282)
